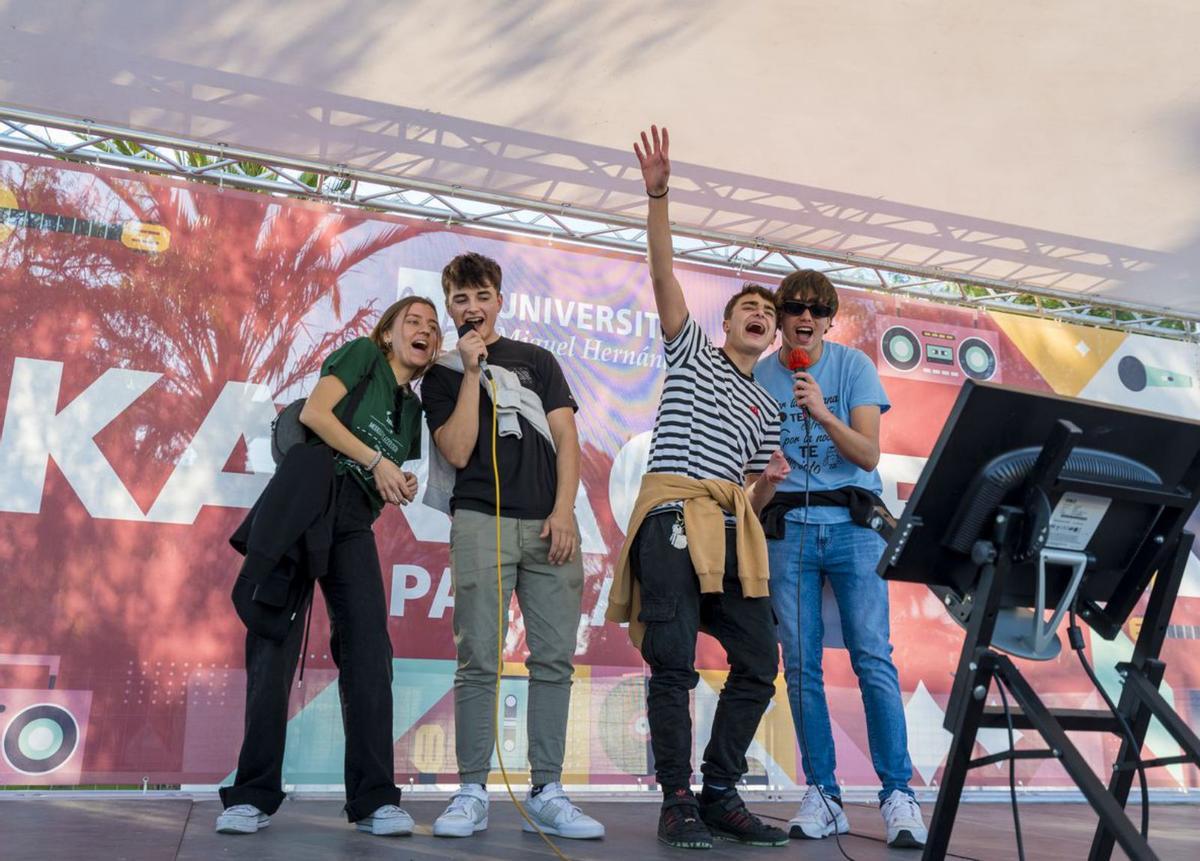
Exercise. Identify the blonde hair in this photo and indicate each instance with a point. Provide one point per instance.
(388, 318)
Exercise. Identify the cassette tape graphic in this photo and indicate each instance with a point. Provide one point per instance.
(42, 730)
(1136, 375)
(514, 702)
(937, 352)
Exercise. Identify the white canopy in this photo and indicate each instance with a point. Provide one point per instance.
(1050, 145)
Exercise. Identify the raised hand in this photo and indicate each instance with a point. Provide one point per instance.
(777, 468)
(654, 159)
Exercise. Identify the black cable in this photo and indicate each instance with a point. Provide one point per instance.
(500, 628)
(1075, 635)
(799, 649)
(1012, 768)
(870, 837)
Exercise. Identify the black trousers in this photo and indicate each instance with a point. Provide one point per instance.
(362, 651)
(674, 613)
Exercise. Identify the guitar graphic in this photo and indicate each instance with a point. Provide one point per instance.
(152, 238)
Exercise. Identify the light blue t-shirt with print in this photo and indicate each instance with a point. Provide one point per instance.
(848, 379)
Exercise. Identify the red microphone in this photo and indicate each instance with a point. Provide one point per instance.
(798, 360)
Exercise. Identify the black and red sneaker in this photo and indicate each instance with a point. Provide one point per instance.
(679, 823)
(728, 818)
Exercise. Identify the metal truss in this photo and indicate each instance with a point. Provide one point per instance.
(236, 167)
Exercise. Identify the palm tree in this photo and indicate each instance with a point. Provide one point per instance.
(232, 298)
(245, 291)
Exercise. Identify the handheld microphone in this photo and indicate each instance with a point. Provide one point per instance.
(470, 326)
(799, 360)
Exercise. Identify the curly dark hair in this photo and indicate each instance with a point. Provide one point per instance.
(748, 289)
(470, 270)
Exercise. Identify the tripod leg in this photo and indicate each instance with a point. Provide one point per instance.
(964, 710)
(1144, 673)
(1121, 782)
(1111, 813)
(965, 728)
(1143, 684)
(1140, 701)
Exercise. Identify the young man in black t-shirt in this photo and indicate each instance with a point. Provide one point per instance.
(537, 457)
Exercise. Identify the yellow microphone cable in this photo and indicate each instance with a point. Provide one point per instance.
(500, 628)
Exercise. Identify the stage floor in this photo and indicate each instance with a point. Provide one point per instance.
(310, 830)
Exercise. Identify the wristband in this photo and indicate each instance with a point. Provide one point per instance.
(657, 196)
(375, 461)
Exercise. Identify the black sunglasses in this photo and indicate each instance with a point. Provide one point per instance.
(798, 308)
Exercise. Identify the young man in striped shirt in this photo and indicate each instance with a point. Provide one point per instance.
(695, 557)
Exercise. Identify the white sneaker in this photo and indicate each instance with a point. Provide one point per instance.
(554, 813)
(387, 821)
(241, 819)
(813, 820)
(466, 813)
(902, 815)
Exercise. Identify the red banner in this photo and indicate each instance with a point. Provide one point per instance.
(152, 328)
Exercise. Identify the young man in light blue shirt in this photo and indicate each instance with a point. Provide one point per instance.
(831, 400)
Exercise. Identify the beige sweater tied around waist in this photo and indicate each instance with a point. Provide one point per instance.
(705, 502)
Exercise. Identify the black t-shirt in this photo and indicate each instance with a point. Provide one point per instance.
(528, 468)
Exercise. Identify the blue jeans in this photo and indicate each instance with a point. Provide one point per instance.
(846, 554)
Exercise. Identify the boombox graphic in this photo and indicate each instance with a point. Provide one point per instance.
(937, 352)
(42, 730)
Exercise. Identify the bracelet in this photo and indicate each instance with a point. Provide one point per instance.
(657, 196)
(375, 461)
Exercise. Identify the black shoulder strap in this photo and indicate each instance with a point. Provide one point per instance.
(352, 400)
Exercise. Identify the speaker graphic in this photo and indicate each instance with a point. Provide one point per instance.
(900, 348)
(42, 731)
(977, 359)
(40, 738)
(1136, 375)
(624, 729)
(937, 352)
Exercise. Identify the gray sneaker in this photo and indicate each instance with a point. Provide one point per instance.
(387, 821)
(818, 817)
(902, 815)
(554, 813)
(466, 813)
(242, 819)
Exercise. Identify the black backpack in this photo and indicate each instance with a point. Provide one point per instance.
(287, 430)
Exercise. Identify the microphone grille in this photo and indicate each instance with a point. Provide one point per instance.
(798, 360)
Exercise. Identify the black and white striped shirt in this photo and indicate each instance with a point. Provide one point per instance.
(713, 421)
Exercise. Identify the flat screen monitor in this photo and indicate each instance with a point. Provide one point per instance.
(1129, 486)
